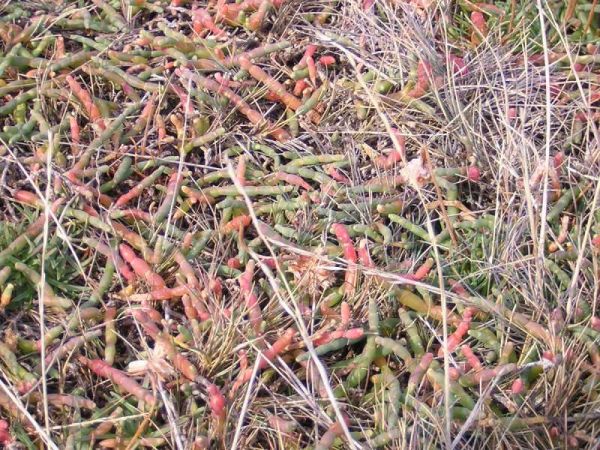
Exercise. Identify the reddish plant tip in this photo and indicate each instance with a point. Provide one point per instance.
(473, 174)
(596, 241)
(24, 386)
(5, 437)
(345, 313)
(471, 358)
(326, 60)
(559, 159)
(300, 86)
(548, 355)
(234, 263)
(141, 267)
(202, 20)
(454, 373)
(311, 49)
(270, 263)
(340, 231)
(364, 255)
(216, 287)
(461, 330)
(595, 323)
(367, 4)
(326, 337)
(127, 252)
(144, 319)
(216, 401)
(119, 378)
(517, 387)
(469, 312)
(312, 70)
(423, 270)
(479, 22)
(342, 235)
(354, 333)
(278, 347)
(334, 173)
(424, 74)
(27, 197)
(272, 96)
(236, 223)
(86, 99)
(294, 180)
(254, 311)
(225, 82)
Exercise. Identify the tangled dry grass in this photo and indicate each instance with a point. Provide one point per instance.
(299, 224)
